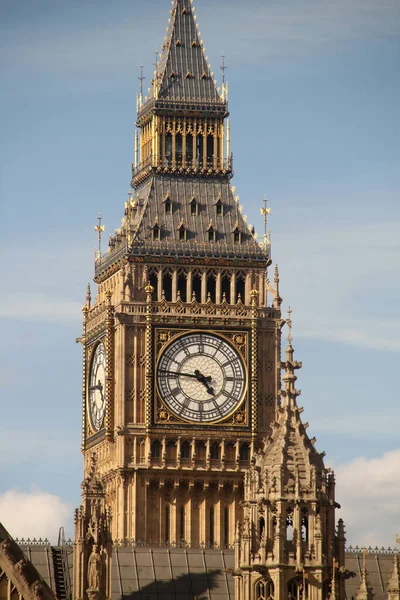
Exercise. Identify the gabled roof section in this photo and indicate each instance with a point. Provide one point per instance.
(183, 73)
(22, 576)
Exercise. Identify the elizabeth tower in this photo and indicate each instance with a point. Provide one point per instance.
(181, 367)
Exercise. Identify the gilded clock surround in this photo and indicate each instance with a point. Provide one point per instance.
(238, 340)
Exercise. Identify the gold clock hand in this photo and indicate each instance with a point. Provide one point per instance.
(178, 374)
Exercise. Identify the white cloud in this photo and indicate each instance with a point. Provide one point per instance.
(37, 306)
(368, 491)
(34, 514)
(337, 279)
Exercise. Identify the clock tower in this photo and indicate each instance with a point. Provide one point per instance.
(181, 347)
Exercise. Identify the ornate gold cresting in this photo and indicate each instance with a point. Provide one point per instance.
(109, 343)
(149, 363)
(254, 294)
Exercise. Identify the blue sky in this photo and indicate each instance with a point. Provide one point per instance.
(314, 102)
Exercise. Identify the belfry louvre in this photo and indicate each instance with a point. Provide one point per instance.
(199, 478)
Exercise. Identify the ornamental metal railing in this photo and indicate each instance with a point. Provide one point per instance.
(171, 104)
(182, 249)
(189, 165)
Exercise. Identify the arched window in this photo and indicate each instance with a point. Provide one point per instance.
(153, 280)
(211, 234)
(167, 286)
(168, 149)
(219, 208)
(244, 452)
(196, 286)
(199, 150)
(289, 525)
(178, 149)
(226, 288)
(182, 233)
(189, 150)
(168, 205)
(304, 525)
(214, 451)
(185, 450)
(194, 208)
(211, 287)
(295, 589)
(210, 149)
(261, 526)
(155, 449)
(182, 286)
(240, 288)
(264, 590)
(156, 232)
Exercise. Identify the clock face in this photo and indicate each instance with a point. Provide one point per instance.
(97, 383)
(201, 377)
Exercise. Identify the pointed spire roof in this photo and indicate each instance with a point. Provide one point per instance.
(289, 454)
(183, 73)
(393, 586)
(364, 592)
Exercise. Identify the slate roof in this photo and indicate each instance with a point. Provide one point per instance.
(171, 573)
(183, 72)
(150, 200)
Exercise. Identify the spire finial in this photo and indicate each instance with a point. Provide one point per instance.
(223, 67)
(88, 296)
(141, 79)
(265, 211)
(289, 324)
(99, 228)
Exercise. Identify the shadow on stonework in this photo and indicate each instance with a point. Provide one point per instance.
(193, 586)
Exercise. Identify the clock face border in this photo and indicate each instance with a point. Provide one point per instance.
(239, 342)
(92, 357)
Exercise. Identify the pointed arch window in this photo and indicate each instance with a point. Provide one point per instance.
(194, 44)
(204, 76)
(156, 232)
(168, 205)
(211, 233)
(178, 43)
(194, 207)
(182, 233)
(237, 235)
(172, 75)
(264, 590)
(189, 75)
(219, 208)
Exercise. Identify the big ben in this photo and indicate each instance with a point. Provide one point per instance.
(181, 347)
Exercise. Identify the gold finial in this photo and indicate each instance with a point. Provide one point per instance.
(254, 295)
(149, 291)
(99, 228)
(289, 324)
(266, 211)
